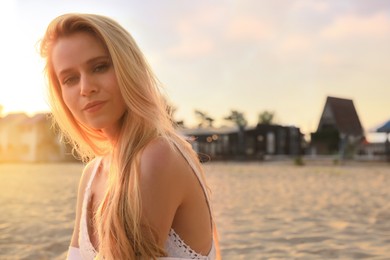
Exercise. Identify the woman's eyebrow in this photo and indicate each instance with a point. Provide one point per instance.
(63, 72)
(98, 58)
(88, 62)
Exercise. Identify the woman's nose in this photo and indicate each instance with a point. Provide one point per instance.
(87, 86)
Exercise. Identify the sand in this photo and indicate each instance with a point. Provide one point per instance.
(262, 210)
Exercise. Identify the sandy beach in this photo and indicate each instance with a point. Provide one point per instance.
(271, 210)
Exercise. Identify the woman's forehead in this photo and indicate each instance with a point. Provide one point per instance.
(76, 49)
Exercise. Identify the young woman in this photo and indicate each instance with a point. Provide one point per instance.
(143, 193)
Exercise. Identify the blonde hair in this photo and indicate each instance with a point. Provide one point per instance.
(121, 232)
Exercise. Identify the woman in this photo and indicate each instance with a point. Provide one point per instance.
(142, 194)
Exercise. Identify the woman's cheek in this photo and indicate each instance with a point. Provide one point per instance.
(70, 101)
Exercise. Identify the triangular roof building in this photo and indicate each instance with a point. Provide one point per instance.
(341, 114)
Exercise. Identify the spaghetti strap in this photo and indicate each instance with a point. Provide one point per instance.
(97, 163)
(213, 251)
(197, 174)
(87, 251)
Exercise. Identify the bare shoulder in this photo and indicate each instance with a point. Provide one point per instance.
(159, 156)
(163, 182)
(172, 196)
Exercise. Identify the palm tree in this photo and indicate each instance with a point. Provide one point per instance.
(237, 118)
(204, 119)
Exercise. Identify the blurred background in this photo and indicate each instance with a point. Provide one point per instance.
(216, 56)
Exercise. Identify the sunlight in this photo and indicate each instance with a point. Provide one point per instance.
(248, 70)
(22, 86)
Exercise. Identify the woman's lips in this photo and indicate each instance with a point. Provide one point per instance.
(93, 106)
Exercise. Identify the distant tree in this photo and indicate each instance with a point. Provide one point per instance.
(209, 121)
(266, 117)
(171, 112)
(203, 119)
(237, 118)
(240, 121)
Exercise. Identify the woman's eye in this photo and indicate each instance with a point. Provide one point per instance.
(69, 81)
(100, 67)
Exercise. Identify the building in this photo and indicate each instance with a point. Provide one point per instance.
(40, 142)
(249, 143)
(266, 139)
(339, 130)
(11, 145)
(375, 151)
(29, 139)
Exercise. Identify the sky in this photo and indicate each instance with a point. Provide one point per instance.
(216, 56)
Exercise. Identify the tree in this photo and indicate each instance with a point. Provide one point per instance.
(239, 120)
(171, 112)
(266, 117)
(204, 119)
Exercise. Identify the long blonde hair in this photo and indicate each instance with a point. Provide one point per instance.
(121, 232)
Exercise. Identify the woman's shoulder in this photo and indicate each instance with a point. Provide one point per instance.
(161, 185)
(158, 152)
(160, 160)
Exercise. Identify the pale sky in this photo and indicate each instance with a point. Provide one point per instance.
(215, 56)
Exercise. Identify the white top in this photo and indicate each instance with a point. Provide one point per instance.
(175, 247)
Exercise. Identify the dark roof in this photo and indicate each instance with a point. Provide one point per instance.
(345, 117)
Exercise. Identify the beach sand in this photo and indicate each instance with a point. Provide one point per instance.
(271, 210)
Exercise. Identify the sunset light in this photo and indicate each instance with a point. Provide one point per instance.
(22, 87)
(252, 56)
(261, 129)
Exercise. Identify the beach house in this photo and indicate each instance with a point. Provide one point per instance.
(339, 130)
(259, 142)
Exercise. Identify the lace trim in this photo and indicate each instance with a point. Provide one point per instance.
(87, 249)
(180, 247)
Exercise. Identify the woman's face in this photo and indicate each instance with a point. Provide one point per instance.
(88, 82)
